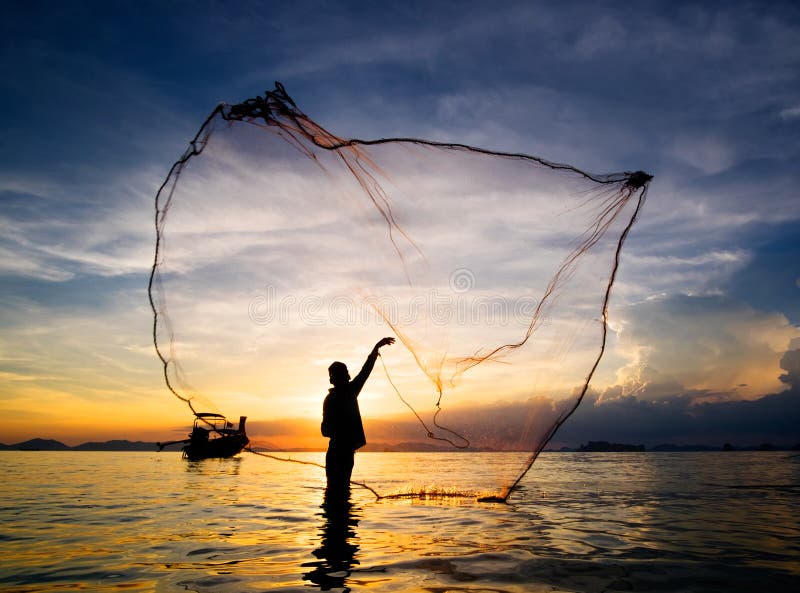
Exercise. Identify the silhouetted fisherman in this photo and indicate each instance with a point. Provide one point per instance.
(341, 419)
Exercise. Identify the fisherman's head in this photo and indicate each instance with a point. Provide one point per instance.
(338, 374)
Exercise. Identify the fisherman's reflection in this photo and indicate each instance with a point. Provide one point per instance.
(336, 552)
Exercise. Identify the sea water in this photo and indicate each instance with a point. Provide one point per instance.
(589, 522)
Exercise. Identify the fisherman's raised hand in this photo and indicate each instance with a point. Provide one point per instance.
(384, 342)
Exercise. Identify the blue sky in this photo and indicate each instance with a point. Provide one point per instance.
(99, 98)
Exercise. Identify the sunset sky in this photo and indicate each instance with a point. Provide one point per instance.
(100, 98)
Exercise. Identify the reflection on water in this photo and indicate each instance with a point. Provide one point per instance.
(206, 467)
(581, 522)
(337, 550)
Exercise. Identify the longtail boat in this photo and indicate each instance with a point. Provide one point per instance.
(212, 436)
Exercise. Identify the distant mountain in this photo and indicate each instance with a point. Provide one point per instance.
(37, 445)
(667, 447)
(405, 448)
(761, 447)
(263, 446)
(606, 447)
(116, 445)
(53, 445)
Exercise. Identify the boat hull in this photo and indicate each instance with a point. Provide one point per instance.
(224, 446)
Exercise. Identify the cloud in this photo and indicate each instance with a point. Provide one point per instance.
(27, 185)
(689, 93)
(681, 420)
(702, 342)
(65, 231)
(769, 280)
(602, 35)
(790, 113)
(709, 154)
(654, 265)
(18, 262)
(790, 362)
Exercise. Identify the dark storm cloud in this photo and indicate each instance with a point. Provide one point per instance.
(790, 362)
(773, 418)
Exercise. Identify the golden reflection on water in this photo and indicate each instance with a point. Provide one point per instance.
(143, 522)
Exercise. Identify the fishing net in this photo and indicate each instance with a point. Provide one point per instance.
(282, 247)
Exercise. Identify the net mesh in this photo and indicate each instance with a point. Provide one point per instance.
(282, 247)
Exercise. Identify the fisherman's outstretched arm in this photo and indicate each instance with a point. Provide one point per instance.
(363, 374)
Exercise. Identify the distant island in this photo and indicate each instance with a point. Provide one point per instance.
(39, 444)
(606, 447)
(53, 445)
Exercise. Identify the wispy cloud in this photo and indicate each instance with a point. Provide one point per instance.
(790, 113)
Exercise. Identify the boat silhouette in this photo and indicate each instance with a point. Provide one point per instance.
(212, 436)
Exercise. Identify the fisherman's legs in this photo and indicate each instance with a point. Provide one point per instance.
(338, 466)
